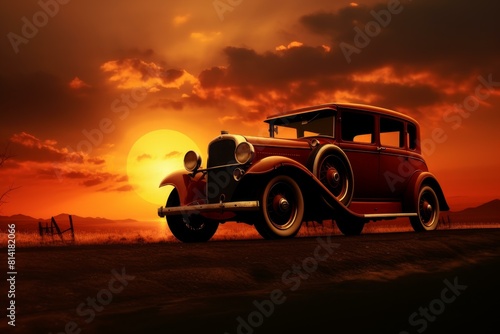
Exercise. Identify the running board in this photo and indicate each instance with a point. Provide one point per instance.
(389, 215)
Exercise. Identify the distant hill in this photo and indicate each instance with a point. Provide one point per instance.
(489, 208)
(28, 223)
(17, 219)
(485, 213)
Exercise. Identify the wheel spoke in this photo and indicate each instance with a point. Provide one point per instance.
(281, 205)
(338, 185)
(428, 210)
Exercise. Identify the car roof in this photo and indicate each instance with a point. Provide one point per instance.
(335, 106)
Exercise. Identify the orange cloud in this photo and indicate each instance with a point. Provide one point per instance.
(135, 73)
(77, 83)
(180, 19)
(293, 44)
(205, 37)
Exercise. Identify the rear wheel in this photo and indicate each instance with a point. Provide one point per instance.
(189, 227)
(427, 208)
(282, 209)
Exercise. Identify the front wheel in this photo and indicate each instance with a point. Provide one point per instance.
(282, 209)
(189, 228)
(427, 207)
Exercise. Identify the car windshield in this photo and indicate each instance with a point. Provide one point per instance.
(317, 123)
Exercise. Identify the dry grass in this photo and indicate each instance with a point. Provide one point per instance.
(229, 231)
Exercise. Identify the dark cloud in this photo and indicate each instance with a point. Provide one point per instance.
(452, 38)
(400, 96)
(96, 161)
(171, 75)
(27, 147)
(94, 178)
(144, 156)
(76, 175)
(249, 70)
(168, 103)
(450, 41)
(93, 181)
(124, 188)
(172, 154)
(42, 102)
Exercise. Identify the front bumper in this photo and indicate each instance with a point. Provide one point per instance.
(216, 207)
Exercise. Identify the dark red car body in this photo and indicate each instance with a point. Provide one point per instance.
(347, 162)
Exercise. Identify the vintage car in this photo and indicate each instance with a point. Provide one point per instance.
(348, 163)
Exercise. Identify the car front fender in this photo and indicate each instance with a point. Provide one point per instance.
(191, 188)
(272, 163)
(305, 178)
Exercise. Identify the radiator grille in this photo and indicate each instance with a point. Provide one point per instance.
(221, 153)
(220, 180)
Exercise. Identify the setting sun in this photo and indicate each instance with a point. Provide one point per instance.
(152, 157)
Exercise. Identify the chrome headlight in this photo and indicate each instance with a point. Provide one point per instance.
(244, 153)
(192, 161)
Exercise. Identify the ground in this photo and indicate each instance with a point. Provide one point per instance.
(439, 282)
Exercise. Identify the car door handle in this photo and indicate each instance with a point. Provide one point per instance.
(381, 148)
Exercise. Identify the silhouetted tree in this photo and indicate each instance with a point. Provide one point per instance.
(4, 156)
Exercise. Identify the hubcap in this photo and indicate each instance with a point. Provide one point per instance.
(429, 209)
(283, 204)
(282, 207)
(427, 212)
(334, 174)
(333, 177)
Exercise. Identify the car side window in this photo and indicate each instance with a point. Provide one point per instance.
(358, 127)
(412, 136)
(392, 132)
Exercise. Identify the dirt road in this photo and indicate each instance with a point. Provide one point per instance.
(438, 282)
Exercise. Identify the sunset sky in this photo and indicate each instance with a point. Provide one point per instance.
(100, 99)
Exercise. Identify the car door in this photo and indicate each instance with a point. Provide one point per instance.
(357, 139)
(395, 162)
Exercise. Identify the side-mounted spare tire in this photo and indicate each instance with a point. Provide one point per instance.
(332, 167)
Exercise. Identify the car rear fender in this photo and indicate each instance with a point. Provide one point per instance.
(415, 184)
(191, 189)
